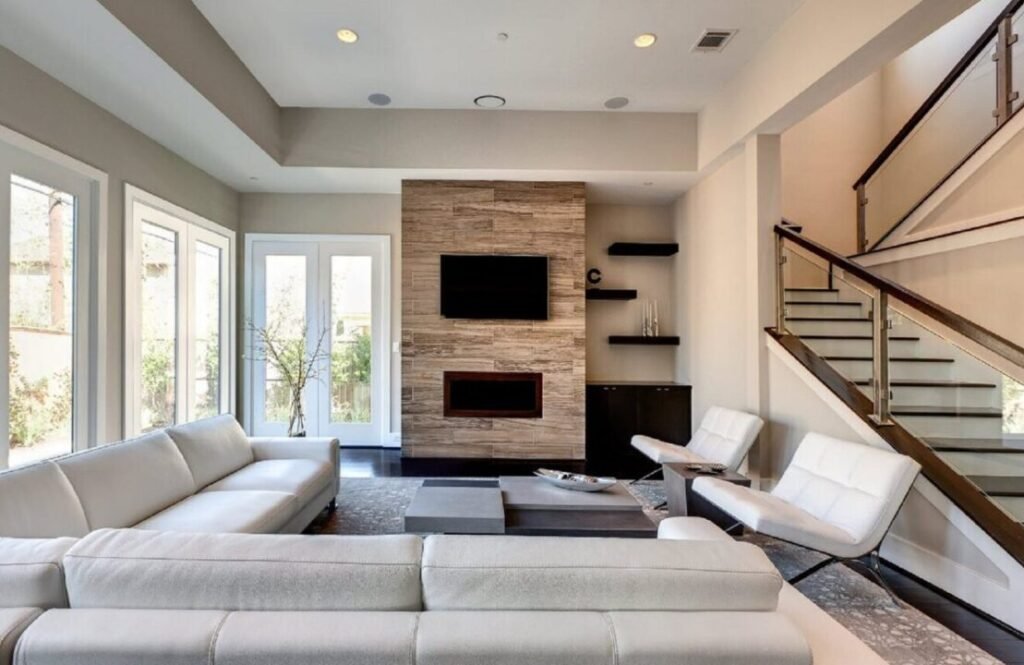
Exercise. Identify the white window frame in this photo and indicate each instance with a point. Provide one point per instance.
(189, 228)
(317, 306)
(89, 422)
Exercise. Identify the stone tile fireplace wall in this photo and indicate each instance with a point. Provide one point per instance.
(460, 217)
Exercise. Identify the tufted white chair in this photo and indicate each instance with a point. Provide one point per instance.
(837, 497)
(724, 437)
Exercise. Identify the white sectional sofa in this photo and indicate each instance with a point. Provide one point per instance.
(168, 598)
(206, 476)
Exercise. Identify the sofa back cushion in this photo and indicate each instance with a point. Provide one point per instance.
(725, 436)
(134, 569)
(38, 501)
(123, 483)
(213, 447)
(595, 574)
(32, 572)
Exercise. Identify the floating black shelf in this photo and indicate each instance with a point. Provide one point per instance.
(663, 340)
(611, 294)
(643, 248)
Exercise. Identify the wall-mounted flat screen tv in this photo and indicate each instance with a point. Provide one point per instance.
(494, 287)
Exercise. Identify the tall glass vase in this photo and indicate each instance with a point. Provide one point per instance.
(297, 417)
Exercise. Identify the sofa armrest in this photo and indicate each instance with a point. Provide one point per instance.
(322, 448)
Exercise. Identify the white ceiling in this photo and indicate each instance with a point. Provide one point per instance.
(560, 54)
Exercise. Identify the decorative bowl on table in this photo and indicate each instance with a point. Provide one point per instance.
(577, 482)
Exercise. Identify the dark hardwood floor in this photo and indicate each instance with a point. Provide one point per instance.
(982, 631)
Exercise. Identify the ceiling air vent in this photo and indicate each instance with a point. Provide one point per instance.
(713, 41)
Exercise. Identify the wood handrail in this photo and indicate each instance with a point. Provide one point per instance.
(940, 91)
(998, 345)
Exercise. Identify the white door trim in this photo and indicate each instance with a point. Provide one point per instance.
(382, 395)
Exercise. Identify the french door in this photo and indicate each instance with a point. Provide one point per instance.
(324, 298)
(45, 211)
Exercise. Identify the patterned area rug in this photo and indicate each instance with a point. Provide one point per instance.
(902, 636)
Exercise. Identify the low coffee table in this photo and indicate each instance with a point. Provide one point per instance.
(525, 506)
(683, 501)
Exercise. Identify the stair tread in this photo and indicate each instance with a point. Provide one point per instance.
(826, 303)
(812, 289)
(955, 411)
(988, 445)
(892, 359)
(892, 338)
(929, 383)
(1000, 485)
(828, 318)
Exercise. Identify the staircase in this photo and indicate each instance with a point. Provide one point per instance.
(913, 371)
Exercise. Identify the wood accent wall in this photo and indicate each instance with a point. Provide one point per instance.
(464, 217)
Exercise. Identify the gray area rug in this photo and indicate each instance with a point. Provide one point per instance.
(902, 636)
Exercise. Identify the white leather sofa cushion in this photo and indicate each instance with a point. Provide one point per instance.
(663, 452)
(771, 515)
(725, 436)
(213, 447)
(708, 638)
(317, 638)
(691, 528)
(38, 501)
(146, 569)
(32, 572)
(514, 638)
(254, 511)
(304, 478)
(13, 622)
(120, 637)
(124, 483)
(536, 573)
(830, 642)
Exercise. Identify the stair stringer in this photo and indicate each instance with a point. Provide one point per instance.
(972, 566)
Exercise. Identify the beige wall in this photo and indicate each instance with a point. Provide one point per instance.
(654, 280)
(334, 214)
(711, 287)
(823, 155)
(47, 111)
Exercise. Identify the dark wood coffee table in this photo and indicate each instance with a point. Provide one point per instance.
(682, 500)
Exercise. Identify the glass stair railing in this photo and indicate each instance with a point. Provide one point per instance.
(936, 386)
(955, 120)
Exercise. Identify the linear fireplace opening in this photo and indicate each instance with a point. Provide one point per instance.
(493, 395)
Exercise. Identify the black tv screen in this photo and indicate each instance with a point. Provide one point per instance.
(494, 287)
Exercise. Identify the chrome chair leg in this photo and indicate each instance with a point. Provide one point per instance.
(875, 568)
(645, 477)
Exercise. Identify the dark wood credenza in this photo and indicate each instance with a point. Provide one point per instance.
(618, 410)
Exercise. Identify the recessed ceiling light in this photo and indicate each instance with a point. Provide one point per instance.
(645, 40)
(489, 101)
(348, 36)
(616, 102)
(379, 99)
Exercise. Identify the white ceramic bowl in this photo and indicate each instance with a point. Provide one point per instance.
(575, 481)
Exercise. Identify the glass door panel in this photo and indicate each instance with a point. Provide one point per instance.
(158, 316)
(42, 305)
(351, 331)
(208, 372)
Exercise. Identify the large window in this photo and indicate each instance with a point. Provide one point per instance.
(47, 214)
(322, 298)
(178, 315)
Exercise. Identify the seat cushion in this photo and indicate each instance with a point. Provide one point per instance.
(305, 478)
(691, 528)
(668, 638)
(213, 447)
(282, 638)
(120, 637)
(770, 515)
(32, 572)
(514, 638)
(123, 483)
(145, 569)
(13, 622)
(662, 452)
(546, 573)
(253, 511)
(38, 501)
